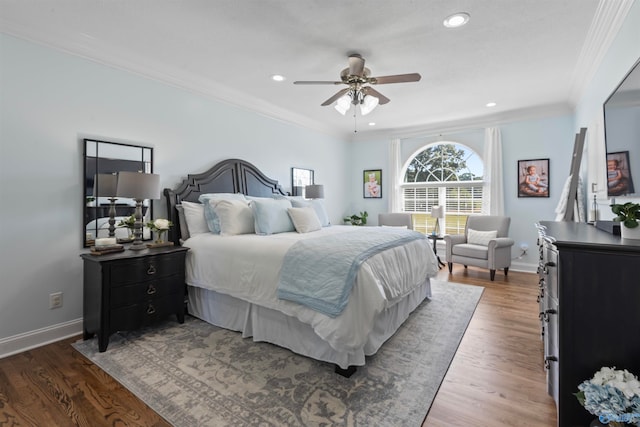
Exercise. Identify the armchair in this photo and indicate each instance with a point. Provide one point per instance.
(485, 243)
(396, 219)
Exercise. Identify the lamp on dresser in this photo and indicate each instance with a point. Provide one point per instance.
(105, 185)
(138, 186)
(315, 191)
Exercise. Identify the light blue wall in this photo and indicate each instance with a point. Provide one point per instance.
(50, 100)
(551, 138)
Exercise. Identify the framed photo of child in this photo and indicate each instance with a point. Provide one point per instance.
(372, 184)
(533, 178)
(619, 181)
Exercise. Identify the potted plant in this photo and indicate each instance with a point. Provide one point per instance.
(628, 214)
(357, 219)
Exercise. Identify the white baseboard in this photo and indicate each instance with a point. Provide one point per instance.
(32, 339)
(523, 266)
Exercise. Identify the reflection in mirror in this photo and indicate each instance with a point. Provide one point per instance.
(300, 178)
(622, 135)
(106, 214)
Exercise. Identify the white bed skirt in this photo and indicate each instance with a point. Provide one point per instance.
(267, 325)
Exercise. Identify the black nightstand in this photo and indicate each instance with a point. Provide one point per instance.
(130, 289)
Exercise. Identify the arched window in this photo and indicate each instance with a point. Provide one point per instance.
(443, 174)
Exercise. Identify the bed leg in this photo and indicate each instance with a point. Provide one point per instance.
(346, 372)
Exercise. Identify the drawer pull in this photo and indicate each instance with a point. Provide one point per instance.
(545, 315)
(151, 309)
(548, 360)
(151, 289)
(151, 270)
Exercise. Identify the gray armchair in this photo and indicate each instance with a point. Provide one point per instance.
(396, 219)
(479, 247)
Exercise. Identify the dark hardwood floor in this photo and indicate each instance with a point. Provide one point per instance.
(495, 379)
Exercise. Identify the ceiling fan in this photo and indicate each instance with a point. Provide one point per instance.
(359, 92)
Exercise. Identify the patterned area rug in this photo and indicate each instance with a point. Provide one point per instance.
(196, 374)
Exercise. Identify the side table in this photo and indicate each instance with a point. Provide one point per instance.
(435, 238)
(130, 289)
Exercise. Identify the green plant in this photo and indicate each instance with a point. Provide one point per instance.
(628, 214)
(357, 220)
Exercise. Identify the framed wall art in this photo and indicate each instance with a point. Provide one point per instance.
(300, 178)
(533, 178)
(372, 184)
(619, 181)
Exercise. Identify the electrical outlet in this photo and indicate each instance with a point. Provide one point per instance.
(55, 300)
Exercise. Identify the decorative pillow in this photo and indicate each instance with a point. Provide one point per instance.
(480, 237)
(234, 216)
(304, 219)
(317, 205)
(271, 215)
(212, 219)
(194, 218)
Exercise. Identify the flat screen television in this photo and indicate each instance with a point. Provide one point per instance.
(622, 135)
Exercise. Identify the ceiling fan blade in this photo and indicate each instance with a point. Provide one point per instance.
(356, 65)
(335, 97)
(398, 78)
(316, 82)
(368, 90)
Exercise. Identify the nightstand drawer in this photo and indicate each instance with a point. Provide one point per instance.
(146, 312)
(150, 289)
(142, 269)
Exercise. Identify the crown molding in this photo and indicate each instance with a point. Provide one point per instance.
(608, 19)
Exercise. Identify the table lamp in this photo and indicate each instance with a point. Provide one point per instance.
(437, 212)
(315, 191)
(138, 186)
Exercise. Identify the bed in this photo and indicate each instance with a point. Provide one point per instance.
(236, 281)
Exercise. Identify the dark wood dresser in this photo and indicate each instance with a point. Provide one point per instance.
(589, 309)
(130, 289)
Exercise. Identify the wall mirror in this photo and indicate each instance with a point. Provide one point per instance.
(622, 135)
(102, 162)
(299, 179)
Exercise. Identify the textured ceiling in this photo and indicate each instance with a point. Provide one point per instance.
(524, 55)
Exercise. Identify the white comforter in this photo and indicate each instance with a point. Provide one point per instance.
(248, 267)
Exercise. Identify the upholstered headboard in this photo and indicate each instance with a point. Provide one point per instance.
(228, 176)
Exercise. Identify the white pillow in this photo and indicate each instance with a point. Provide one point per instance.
(271, 215)
(480, 237)
(304, 219)
(194, 216)
(234, 216)
(317, 205)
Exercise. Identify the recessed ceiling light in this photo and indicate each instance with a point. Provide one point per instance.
(491, 104)
(277, 78)
(372, 123)
(456, 20)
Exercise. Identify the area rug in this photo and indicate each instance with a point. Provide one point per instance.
(196, 374)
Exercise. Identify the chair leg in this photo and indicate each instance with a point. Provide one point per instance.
(450, 266)
(492, 273)
(506, 271)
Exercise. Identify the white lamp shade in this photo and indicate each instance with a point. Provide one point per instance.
(105, 185)
(314, 191)
(437, 212)
(368, 104)
(138, 186)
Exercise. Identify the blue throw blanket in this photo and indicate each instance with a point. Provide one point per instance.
(320, 272)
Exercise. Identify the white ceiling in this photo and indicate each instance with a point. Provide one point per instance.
(528, 56)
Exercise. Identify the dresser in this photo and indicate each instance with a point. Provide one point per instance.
(589, 309)
(130, 289)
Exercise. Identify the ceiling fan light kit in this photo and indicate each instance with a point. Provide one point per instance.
(359, 92)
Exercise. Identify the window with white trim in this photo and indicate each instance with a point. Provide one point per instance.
(443, 174)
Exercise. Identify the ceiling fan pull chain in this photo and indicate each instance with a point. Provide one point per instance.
(355, 121)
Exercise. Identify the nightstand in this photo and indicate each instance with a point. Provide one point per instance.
(126, 290)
